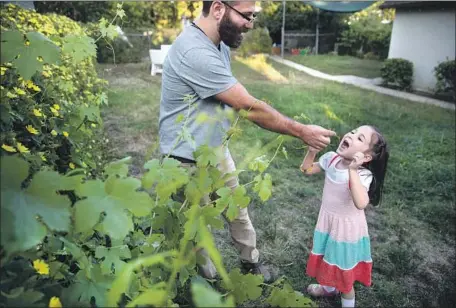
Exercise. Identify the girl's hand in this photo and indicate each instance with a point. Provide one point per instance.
(357, 161)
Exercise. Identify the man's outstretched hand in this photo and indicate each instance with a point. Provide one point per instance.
(316, 136)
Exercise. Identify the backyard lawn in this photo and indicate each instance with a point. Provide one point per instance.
(412, 232)
(340, 65)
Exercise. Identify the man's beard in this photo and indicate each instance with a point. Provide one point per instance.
(229, 33)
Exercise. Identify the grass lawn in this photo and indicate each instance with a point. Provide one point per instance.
(412, 232)
(340, 65)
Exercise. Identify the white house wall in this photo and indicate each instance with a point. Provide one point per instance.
(425, 38)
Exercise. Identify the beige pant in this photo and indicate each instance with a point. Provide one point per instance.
(241, 229)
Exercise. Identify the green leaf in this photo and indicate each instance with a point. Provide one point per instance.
(206, 155)
(287, 297)
(169, 176)
(259, 163)
(199, 186)
(28, 298)
(79, 47)
(13, 44)
(263, 186)
(118, 167)
(205, 296)
(155, 296)
(123, 279)
(207, 241)
(234, 199)
(107, 30)
(112, 256)
(82, 291)
(245, 287)
(211, 216)
(185, 133)
(180, 118)
(21, 209)
(113, 197)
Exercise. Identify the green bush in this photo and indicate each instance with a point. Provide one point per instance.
(445, 73)
(371, 56)
(256, 41)
(398, 72)
(366, 32)
(51, 118)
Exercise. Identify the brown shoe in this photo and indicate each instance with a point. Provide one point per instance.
(257, 269)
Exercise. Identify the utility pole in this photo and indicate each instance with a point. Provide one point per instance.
(317, 34)
(283, 29)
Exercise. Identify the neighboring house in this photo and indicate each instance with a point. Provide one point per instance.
(424, 33)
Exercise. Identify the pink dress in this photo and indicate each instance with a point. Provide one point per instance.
(341, 251)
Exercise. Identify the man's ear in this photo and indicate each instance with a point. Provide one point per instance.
(217, 10)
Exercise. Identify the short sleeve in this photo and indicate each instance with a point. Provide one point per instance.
(366, 177)
(205, 72)
(325, 159)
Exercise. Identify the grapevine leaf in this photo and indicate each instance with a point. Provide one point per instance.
(245, 287)
(263, 186)
(205, 296)
(232, 212)
(28, 298)
(112, 256)
(180, 118)
(107, 30)
(152, 243)
(188, 137)
(234, 199)
(113, 197)
(259, 163)
(287, 297)
(21, 208)
(207, 242)
(81, 292)
(200, 185)
(206, 155)
(118, 167)
(211, 215)
(154, 296)
(79, 47)
(13, 45)
(169, 176)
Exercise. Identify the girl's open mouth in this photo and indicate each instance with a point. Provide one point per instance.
(344, 145)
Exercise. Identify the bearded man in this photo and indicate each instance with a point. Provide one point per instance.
(197, 75)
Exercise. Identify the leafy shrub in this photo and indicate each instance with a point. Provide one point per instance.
(371, 56)
(52, 117)
(445, 73)
(398, 72)
(366, 32)
(256, 41)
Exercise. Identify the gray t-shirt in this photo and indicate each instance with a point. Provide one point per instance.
(194, 67)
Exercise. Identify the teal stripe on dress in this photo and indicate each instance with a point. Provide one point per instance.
(342, 254)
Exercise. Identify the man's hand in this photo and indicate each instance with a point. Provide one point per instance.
(316, 136)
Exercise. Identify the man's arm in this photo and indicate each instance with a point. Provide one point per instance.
(267, 117)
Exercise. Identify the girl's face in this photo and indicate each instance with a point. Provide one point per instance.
(358, 140)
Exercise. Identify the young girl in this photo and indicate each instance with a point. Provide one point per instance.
(341, 245)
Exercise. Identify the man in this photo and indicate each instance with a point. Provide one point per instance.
(198, 69)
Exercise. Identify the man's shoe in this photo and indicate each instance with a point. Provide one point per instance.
(257, 269)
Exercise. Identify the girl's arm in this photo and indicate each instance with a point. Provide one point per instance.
(308, 166)
(358, 191)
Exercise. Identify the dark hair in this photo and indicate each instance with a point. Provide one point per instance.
(378, 164)
(207, 6)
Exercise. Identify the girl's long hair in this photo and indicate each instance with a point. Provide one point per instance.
(378, 164)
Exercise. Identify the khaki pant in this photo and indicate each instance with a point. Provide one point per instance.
(241, 229)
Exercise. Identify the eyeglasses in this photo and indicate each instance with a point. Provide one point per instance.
(249, 19)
